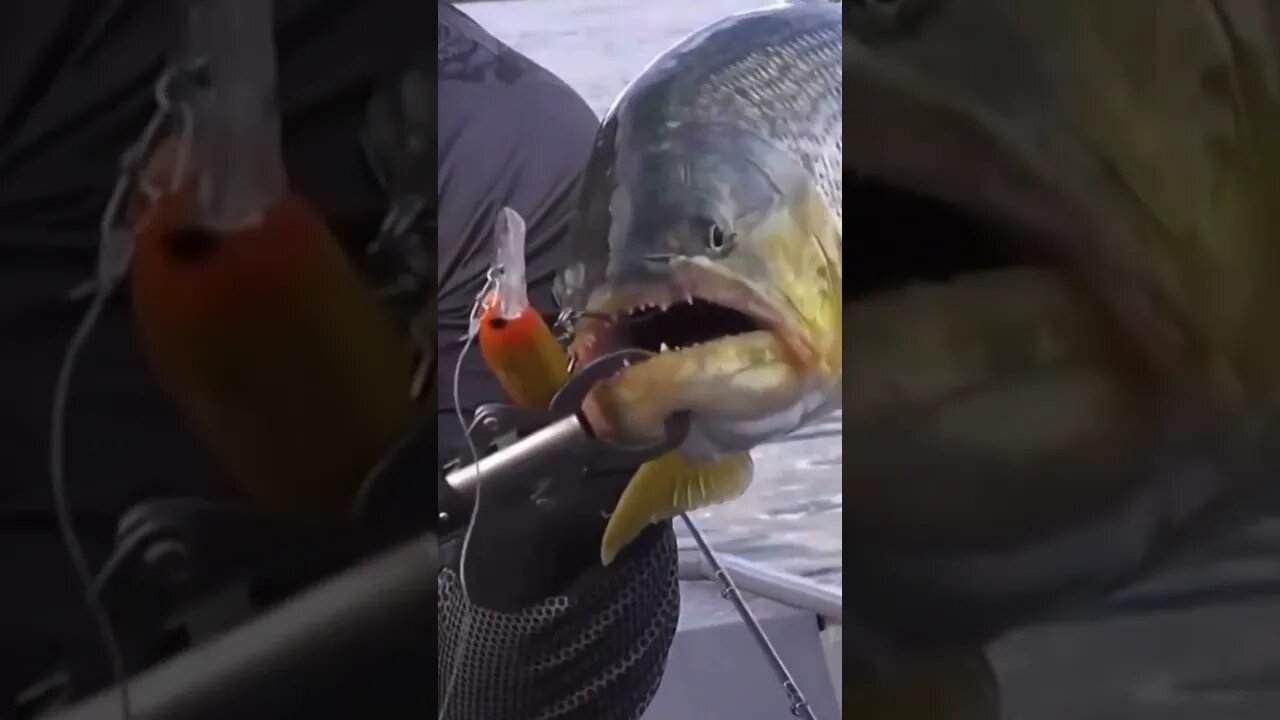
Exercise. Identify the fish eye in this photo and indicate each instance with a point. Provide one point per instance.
(719, 240)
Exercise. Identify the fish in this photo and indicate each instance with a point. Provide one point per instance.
(1065, 268)
(708, 231)
(1064, 371)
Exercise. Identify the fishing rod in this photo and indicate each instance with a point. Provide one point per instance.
(729, 589)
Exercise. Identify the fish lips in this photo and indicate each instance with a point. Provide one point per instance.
(948, 145)
(673, 281)
(695, 294)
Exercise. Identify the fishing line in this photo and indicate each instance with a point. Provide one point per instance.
(61, 505)
(115, 251)
(477, 311)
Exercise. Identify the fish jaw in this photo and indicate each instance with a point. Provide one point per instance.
(739, 389)
(738, 392)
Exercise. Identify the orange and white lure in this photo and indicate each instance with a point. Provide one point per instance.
(248, 309)
(515, 340)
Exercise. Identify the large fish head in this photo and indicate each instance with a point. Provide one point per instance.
(1065, 253)
(710, 246)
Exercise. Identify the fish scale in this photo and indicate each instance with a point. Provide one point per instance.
(786, 87)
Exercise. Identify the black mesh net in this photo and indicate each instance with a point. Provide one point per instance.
(596, 652)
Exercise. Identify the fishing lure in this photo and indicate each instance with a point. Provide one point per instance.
(248, 309)
(515, 340)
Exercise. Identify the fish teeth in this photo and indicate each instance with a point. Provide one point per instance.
(663, 348)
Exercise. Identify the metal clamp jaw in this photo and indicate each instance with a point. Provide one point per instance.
(558, 436)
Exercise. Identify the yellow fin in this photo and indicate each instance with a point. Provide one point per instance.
(670, 485)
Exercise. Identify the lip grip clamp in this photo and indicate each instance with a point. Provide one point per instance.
(558, 436)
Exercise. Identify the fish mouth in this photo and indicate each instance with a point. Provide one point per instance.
(725, 352)
(989, 393)
(697, 304)
(968, 185)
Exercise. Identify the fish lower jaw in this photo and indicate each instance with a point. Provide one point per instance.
(739, 391)
(927, 342)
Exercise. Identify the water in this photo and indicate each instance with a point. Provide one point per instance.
(790, 517)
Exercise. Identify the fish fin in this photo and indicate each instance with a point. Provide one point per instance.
(670, 485)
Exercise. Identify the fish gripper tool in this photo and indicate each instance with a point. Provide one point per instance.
(521, 444)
